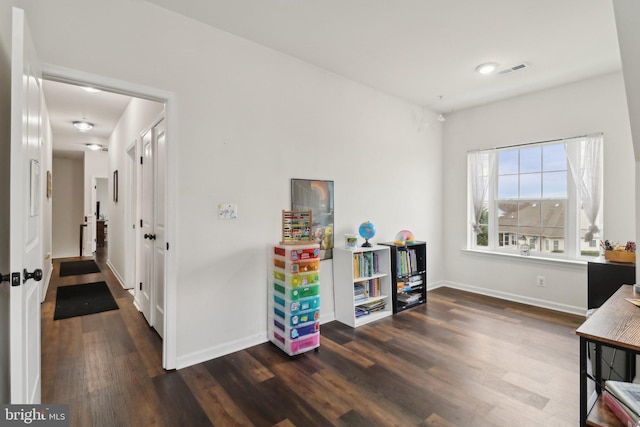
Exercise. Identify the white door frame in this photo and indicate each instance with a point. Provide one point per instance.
(65, 75)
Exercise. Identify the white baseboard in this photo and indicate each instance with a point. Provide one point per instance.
(511, 297)
(220, 350)
(233, 346)
(117, 274)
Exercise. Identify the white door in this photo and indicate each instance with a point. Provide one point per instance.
(143, 290)
(153, 223)
(25, 203)
(159, 244)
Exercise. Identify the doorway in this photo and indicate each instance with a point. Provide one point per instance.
(117, 209)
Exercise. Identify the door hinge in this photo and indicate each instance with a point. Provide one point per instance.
(167, 245)
(140, 285)
(141, 160)
(140, 223)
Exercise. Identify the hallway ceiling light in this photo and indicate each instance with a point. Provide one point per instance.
(83, 125)
(94, 147)
(487, 68)
(91, 89)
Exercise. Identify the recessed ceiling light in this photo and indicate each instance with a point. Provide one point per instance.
(487, 68)
(94, 147)
(83, 125)
(91, 89)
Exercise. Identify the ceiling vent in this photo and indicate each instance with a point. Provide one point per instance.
(518, 67)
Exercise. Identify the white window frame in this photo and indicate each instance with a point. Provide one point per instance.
(572, 247)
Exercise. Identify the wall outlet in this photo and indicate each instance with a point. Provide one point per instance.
(541, 281)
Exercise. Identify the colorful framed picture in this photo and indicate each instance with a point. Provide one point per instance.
(115, 186)
(316, 196)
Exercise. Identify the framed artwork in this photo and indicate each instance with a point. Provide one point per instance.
(115, 186)
(49, 185)
(316, 196)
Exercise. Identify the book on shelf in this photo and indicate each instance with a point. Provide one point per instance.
(365, 264)
(409, 298)
(366, 289)
(370, 307)
(627, 397)
(618, 408)
(407, 262)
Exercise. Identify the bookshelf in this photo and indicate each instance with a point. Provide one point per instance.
(294, 297)
(362, 284)
(409, 278)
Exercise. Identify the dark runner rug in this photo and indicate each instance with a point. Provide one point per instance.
(74, 268)
(80, 300)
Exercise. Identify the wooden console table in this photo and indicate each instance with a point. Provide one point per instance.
(615, 324)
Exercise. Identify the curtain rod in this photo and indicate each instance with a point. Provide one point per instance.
(535, 143)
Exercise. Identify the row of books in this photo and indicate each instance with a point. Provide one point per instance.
(370, 307)
(366, 289)
(365, 264)
(623, 399)
(407, 262)
(412, 282)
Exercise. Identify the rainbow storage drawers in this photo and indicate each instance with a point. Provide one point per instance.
(294, 301)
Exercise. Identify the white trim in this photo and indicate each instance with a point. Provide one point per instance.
(117, 275)
(61, 74)
(45, 285)
(580, 311)
(220, 350)
(563, 262)
(327, 317)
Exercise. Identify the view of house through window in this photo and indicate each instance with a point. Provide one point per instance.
(530, 199)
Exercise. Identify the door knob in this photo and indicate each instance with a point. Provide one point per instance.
(4, 277)
(36, 275)
(146, 236)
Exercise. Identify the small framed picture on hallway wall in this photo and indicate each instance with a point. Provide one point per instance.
(115, 186)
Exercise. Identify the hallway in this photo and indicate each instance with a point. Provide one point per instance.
(106, 366)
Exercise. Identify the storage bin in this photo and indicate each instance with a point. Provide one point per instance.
(299, 279)
(297, 292)
(297, 252)
(295, 267)
(296, 346)
(297, 305)
(293, 332)
(295, 319)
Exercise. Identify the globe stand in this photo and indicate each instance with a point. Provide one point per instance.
(366, 243)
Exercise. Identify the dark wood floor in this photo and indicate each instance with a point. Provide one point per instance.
(461, 360)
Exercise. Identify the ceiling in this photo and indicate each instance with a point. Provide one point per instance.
(423, 51)
(426, 51)
(68, 103)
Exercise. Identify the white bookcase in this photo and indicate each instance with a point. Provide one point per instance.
(349, 279)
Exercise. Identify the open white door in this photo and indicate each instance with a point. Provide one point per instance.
(25, 259)
(143, 290)
(153, 250)
(159, 241)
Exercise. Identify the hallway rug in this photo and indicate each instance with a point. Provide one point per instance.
(74, 268)
(80, 300)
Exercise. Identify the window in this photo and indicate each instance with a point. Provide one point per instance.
(528, 194)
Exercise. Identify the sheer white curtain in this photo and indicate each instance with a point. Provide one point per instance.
(480, 166)
(586, 169)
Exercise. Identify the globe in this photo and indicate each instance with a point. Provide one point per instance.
(367, 230)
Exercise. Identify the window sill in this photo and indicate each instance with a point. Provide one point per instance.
(573, 263)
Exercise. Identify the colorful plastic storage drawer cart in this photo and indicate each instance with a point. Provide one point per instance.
(294, 298)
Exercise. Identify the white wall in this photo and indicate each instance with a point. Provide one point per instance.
(594, 105)
(68, 202)
(47, 203)
(248, 120)
(96, 165)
